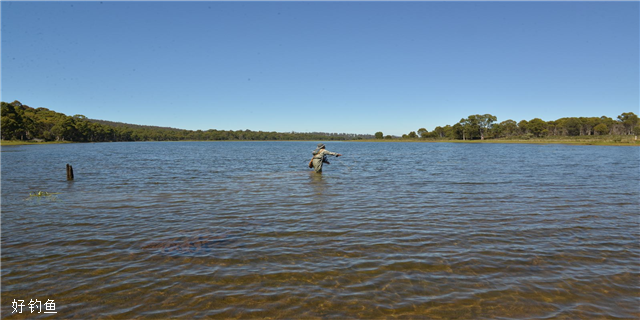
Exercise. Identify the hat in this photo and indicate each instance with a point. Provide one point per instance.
(321, 145)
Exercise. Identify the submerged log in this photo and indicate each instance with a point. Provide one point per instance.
(69, 172)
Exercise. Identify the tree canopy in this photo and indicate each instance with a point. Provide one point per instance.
(21, 122)
(486, 126)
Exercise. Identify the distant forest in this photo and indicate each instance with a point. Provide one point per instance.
(486, 127)
(21, 122)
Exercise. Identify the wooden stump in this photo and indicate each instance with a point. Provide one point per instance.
(69, 172)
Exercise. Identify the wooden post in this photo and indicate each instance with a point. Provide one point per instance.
(69, 172)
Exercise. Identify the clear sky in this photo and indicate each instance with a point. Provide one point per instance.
(355, 67)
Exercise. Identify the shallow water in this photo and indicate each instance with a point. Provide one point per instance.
(245, 230)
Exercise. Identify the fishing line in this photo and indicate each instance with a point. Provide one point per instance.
(348, 166)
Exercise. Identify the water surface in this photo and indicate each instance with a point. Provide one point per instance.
(246, 230)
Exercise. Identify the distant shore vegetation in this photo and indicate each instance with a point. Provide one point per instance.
(21, 123)
(485, 127)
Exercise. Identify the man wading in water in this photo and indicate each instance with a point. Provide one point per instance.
(320, 157)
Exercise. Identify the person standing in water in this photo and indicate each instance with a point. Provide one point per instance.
(320, 157)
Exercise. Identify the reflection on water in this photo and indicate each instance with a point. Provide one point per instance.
(157, 230)
(319, 185)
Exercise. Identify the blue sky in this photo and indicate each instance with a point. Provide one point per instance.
(356, 67)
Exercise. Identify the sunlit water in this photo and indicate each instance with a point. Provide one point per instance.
(246, 230)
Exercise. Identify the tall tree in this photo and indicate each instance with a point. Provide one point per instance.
(485, 122)
(472, 126)
(628, 120)
(422, 132)
(461, 130)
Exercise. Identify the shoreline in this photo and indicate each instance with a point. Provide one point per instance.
(593, 142)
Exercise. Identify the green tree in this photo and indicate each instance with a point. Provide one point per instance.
(573, 126)
(379, 135)
(463, 128)
(65, 129)
(485, 122)
(601, 129)
(476, 125)
(522, 126)
(629, 120)
(588, 124)
(11, 123)
(553, 128)
(497, 130)
(508, 128)
(537, 127)
(82, 128)
(423, 133)
(412, 135)
(457, 131)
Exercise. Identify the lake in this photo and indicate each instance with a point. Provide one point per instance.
(246, 230)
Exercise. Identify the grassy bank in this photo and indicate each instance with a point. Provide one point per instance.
(23, 142)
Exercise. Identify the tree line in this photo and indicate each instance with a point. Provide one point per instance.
(486, 127)
(21, 122)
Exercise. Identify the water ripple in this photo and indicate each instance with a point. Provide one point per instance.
(439, 231)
